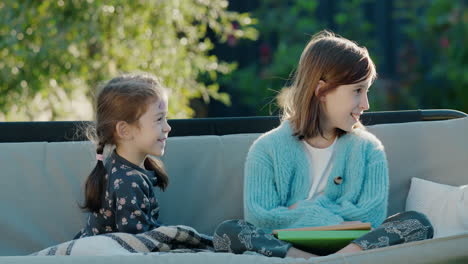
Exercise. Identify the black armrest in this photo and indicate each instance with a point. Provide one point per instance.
(57, 131)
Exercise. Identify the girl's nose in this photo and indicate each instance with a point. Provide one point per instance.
(167, 128)
(364, 104)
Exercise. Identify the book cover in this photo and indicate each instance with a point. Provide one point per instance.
(346, 226)
(321, 242)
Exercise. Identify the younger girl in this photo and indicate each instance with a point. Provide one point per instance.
(130, 115)
(320, 166)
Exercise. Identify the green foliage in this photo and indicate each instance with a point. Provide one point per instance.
(53, 52)
(355, 26)
(436, 54)
(285, 28)
(432, 62)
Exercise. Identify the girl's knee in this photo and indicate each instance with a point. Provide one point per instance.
(417, 215)
(228, 227)
(421, 219)
(407, 215)
(225, 237)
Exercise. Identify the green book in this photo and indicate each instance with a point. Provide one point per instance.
(321, 242)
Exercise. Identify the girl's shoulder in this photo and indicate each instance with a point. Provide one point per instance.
(277, 138)
(363, 138)
(125, 177)
(366, 136)
(120, 168)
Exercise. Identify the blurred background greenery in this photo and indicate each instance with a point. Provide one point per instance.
(222, 58)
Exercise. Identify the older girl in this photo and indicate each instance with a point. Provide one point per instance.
(320, 166)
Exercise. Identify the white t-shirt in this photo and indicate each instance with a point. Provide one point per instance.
(319, 164)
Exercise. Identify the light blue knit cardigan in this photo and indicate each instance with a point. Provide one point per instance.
(277, 176)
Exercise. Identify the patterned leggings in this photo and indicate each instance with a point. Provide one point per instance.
(239, 236)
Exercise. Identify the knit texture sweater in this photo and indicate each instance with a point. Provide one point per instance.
(277, 176)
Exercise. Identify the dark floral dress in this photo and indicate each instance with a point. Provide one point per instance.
(129, 204)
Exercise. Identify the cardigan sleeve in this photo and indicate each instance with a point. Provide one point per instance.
(262, 201)
(371, 206)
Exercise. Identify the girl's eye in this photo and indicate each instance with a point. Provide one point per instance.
(161, 119)
(358, 91)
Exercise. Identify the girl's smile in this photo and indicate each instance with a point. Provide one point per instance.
(356, 116)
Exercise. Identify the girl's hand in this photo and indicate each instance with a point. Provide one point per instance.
(292, 206)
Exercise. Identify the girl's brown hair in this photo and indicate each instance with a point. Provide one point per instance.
(124, 98)
(328, 58)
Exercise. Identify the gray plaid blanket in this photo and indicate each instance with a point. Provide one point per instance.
(162, 239)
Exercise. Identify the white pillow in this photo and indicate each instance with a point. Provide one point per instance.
(446, 206)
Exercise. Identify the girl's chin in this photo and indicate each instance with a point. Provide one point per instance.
(349, 128)
(157, 152)
(353, 123)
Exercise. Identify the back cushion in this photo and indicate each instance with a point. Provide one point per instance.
(206, 180)
(41, 185)
(42, 182)
(435, 151)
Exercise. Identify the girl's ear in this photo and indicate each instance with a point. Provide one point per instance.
(321, 84)
(123, 130)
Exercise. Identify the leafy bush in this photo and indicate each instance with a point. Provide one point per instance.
(54, 52)
(434, 68)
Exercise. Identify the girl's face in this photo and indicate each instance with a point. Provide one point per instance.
(344, 105)
(150, 137)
